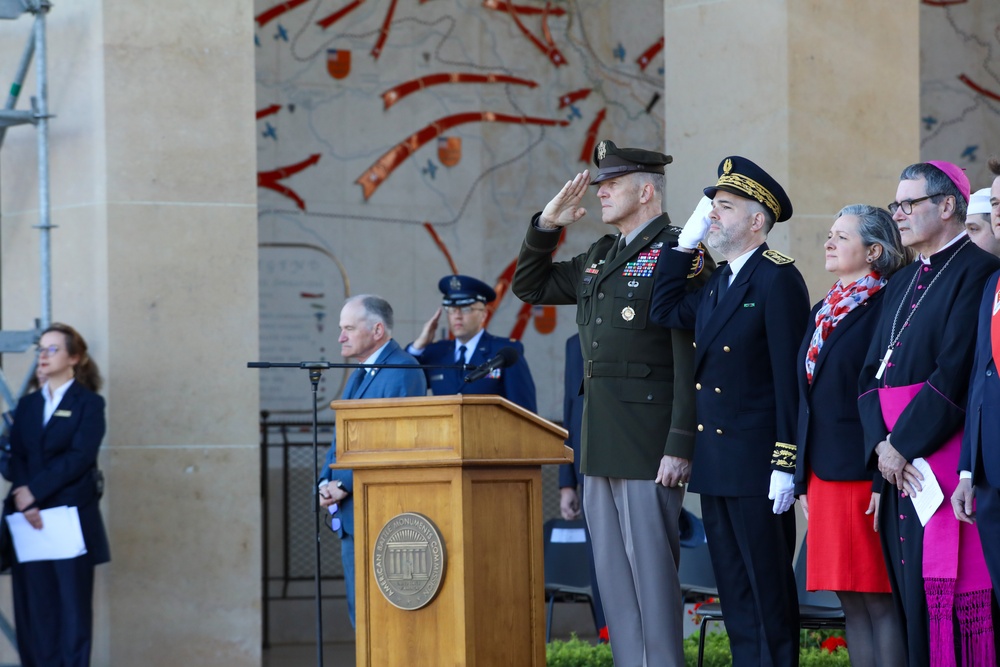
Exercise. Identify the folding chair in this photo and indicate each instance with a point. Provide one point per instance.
(567, 567)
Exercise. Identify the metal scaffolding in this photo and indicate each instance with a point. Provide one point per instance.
(38, 115)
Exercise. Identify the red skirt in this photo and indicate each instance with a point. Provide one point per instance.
(844, 550)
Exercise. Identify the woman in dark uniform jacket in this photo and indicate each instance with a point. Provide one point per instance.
(54, 442)
(863, 249)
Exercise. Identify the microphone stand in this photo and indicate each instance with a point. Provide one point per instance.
(315, 369)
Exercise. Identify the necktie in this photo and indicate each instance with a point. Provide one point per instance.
(354, 382)
(615, 249)
(460, 359)
(723, 283)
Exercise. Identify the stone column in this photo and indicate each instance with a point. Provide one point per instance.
(155, 261)
(823, 95)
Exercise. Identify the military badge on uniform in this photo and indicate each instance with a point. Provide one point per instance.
(643, 265)
(628, 314)
(656, 246)
(633, 283)
(698, 262)
(602, 150)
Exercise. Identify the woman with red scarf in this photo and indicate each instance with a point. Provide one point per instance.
(863, 249)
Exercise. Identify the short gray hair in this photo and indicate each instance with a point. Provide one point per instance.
(877, 226)
(376, 309)
(756, 207)
(938, 184)
(658, 181)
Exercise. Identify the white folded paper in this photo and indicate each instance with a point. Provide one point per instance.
(568, 536)
(60, 537)
(927, 501)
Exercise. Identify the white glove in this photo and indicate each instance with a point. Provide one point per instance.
(697, 225)
(782, 491)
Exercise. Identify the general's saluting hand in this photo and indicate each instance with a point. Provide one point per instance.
(565, 209)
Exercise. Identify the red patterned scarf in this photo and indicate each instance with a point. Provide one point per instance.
(841, 300)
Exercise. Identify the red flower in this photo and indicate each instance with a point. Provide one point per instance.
(831, 643)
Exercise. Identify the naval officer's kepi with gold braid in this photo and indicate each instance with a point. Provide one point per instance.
(741, 177)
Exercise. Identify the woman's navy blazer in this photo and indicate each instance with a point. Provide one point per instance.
(830, 438)
(58, 461)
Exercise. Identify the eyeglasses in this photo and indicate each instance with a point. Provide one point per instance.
(48, 351)
(465, 310)
(907, 204)
(334, 523)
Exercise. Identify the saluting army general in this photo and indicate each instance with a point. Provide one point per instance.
(638, 415)
(748, 322)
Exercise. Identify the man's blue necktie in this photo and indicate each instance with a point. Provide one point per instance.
(354, 382)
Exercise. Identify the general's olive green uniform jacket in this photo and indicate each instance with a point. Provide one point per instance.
(638, 377)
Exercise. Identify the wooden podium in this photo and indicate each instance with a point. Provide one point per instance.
(471, 466)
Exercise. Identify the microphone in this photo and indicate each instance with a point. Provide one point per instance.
(507, 356)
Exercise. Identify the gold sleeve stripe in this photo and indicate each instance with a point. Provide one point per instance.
(784, 455)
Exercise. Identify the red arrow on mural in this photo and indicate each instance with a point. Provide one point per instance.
(591, 139)
(649, 54)
(269, 179)
(575, 96)
(267, 111)
(979, 89)
(502, 6)
(397, 93)
(380, 171)
(384, 31)
(548, 47)
(269, 15)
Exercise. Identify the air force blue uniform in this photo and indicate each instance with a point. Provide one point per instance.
(513, 383)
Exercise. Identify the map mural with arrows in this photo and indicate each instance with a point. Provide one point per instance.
(960, 84)
(402, 140)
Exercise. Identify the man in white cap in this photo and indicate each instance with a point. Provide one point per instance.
(977, 498)
(978, 223)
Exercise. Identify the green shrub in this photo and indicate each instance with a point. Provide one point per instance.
(578, 653)
(716, 650)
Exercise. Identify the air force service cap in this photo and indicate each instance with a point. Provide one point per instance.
(612, 161)
(741, 177)
(464, 290)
